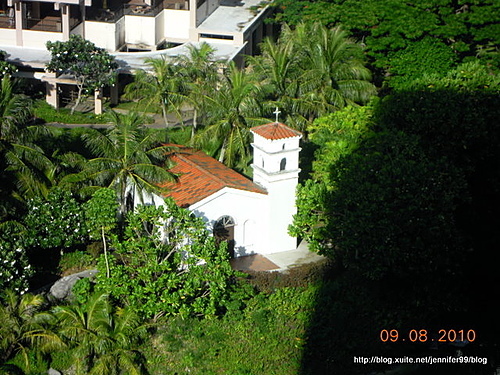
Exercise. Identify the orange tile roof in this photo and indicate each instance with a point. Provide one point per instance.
(200, 175)
(275, 130)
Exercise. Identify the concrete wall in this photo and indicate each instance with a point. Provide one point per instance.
(176, 23)
(38, 39)
(159, 27)
(78, 30)
(102, 34)
(8, 37)
(205, 10)
(140, 30)
(248, 211)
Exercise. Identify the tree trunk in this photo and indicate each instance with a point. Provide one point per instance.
(223, 151)
(104, 245)
(78, 99)
(195, 122)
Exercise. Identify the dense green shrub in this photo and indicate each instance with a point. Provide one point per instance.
(75, 261)
(299, 276)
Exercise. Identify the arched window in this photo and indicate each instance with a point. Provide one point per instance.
(224, 231)
(282, 164)
(283, 146)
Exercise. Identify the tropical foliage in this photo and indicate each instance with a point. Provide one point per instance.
(312, 71)
(167, 264)
(161, 85)
(127, 156)
(100, 337)
(231, 111)
(91, 66)
(22, 158)
(387, 26)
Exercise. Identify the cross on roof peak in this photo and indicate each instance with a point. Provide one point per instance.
(277, 113)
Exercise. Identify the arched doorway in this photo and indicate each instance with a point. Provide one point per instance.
(224, 231)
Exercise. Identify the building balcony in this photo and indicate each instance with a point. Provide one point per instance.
(7, 22)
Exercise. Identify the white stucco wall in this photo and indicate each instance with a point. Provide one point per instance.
(159, 27)
(102, 34)
(38, 39)
(8, 37)
(176, 23)
(140, 30)
(78, 30)
(248, 210)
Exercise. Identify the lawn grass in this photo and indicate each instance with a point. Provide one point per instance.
(49, 114)
(267, 337)
(140, 106)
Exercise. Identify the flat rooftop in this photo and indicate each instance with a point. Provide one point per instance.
(231, 16)
(128, 61)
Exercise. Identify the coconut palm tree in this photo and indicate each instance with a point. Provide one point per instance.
(101, 338)
(310, 71)
(163, 86)
(333, 71)
(200, 69)
(23, 162)
(231, 111)
(24, 326)
(127, 156)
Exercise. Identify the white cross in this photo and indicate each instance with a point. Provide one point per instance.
(277, 113)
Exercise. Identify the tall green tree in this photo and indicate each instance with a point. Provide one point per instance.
(128, 156)
(167, 264)
(24, 326)
(231, 111)
(467, 28)
(200, 69)
(311, 71)
(91, 66)
(101, 338)
(24, 166)
(161, 84)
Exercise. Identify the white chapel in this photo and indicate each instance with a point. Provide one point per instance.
(252, 215)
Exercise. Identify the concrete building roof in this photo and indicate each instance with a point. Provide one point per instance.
(200, 176)
(230, 16)
(127, 61)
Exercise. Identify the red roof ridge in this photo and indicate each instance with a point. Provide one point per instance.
(199, 167)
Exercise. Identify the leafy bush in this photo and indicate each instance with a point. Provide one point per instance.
(75, 262)
(14, 268)
(300, 276)
(428, 56)
(167, 263)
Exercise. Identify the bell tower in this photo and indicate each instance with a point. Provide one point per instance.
(276, 168)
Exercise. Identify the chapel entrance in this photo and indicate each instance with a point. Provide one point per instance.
(224, 231)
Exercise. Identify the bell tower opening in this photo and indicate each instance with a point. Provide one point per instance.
(283, 164)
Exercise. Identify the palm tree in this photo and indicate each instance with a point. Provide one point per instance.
(20, 154)
(164, 86)
(24, 326)
(334, 74)
(312, 71)
(231, 111)
(200, 70)
(102, 339)
(277, 69)
(128, 156)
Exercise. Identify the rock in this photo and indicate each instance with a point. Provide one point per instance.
(53, 372)
(62, 287)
